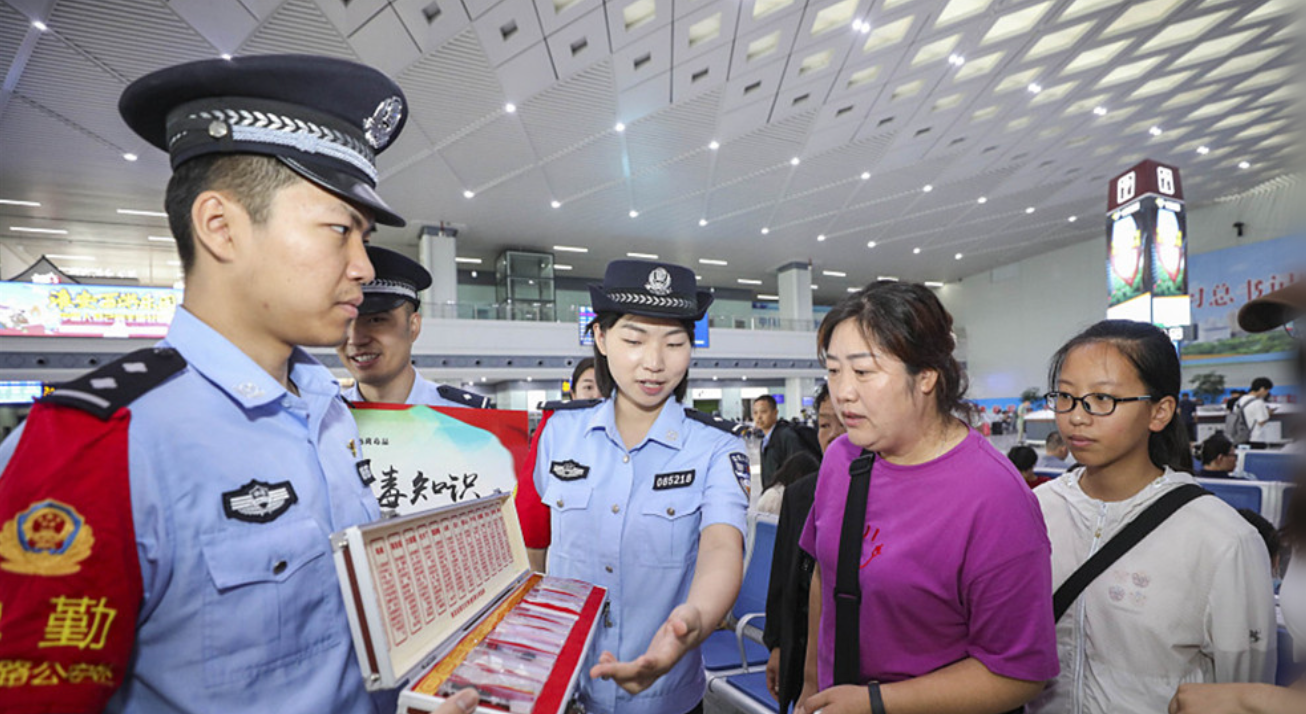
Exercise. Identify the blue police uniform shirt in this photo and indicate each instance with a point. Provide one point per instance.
(630, 522)
(239, 615)
(424, 391)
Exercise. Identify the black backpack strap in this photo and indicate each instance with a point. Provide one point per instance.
(847, 589)
(1128, 537)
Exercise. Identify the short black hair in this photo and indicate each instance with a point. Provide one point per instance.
(251, 179)
(1214, 447)
(822, 396)
(797, 466)
(581, 367)
(1055, 440)
(768, 399)
(1262, 383)
(1023, 458)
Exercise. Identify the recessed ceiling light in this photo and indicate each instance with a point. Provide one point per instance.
(510, 108)
(482, 379)
(702, 222)
(570, 249)
(765, 231)
(712, 261)
(887, 278)
(130, 156)
(983, 200)
(745, 378)
(469, 193)
(1244, 165)
(59, 256)
(933, 284)
(1034, 88)
(619, 127)
(795, 161)
(714, 145)
(1029, 210)
(1203, 150)
(1156, 131)
(1100, 111)
(160, 239)
(870, 244)
(39, 25)
(643, 256)
(927, 188)
(226, 56)
(958, 256)
(469, 261)
(815, 286)
(820, 238)
(834, 273)
(15, 202)
(956, 60)
(556, 204)
(134, 212)
(1072, 219)
(560, 266)
(853, 290)
(51, 231)
(866, 175)
(915, 251)
(764, 296)
(633, 213)
(748, 281)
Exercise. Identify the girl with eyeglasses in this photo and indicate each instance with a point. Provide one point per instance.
(1192, 601)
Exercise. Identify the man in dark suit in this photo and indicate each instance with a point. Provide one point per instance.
(779, 439)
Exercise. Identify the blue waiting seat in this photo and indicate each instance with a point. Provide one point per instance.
(744, 692)
(741, 648)
(1239, 494)
(1288, 671)
(1271, 465)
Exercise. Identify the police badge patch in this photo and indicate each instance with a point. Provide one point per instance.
(259, 502)
(739, 463)
(569, 470)
(49, 538)
(659, 282)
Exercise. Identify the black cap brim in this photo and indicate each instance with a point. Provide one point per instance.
(348, 187)
(380, 302)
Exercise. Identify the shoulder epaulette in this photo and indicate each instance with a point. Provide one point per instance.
(115, 385)
(730, 427)
(561, 406)
(464, 397)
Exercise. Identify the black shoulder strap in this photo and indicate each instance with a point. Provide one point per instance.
(117, 384)
(847, 588)
(729, 427)
(1128, 537)
(558, 406)
(462, 396)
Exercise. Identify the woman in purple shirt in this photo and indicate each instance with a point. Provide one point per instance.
(954, 567)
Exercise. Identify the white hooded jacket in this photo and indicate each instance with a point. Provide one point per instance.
(1192, 602)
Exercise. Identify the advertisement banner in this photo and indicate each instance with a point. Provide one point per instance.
(1129, 254)
(44, 310)
(1222, 281)
(421, 457)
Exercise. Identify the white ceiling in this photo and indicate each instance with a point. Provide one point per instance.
(767, 80)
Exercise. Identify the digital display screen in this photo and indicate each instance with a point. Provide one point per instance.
(20, 392)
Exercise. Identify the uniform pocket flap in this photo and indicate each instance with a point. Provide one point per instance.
(269, 553)
(675, 505)
(567, 496)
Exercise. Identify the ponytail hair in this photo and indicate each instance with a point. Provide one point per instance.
(1154, 357)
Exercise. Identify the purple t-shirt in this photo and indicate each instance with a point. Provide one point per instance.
(955, 563)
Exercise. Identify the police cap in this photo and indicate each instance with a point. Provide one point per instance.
(326, 119)
(398, 279)
(651, 289)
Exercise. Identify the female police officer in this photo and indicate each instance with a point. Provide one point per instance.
(642, 496)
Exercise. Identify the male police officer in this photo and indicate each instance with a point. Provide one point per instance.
(165, 519)
(379, 349)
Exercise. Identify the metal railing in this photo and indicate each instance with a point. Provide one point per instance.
(571, 314)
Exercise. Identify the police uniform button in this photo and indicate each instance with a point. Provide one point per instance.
(616, 508)
(279, 568)
(671, 511)
(559, 503)
(218, 129)
(625, 459)
(608, 568)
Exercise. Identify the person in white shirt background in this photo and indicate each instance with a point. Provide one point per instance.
(1256, 410)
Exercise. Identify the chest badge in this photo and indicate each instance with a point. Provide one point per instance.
(675, 479)
(569, 470)
(259, 502)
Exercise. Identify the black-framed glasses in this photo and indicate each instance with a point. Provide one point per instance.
(1096, 404)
